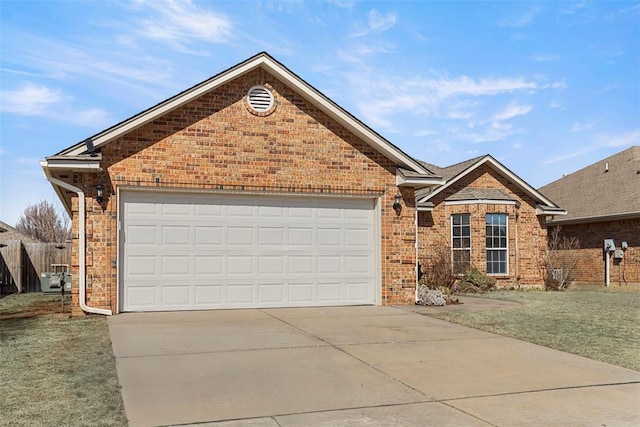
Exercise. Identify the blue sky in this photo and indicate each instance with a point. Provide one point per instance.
(545, 87)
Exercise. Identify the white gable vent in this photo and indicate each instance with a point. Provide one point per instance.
(260, 99)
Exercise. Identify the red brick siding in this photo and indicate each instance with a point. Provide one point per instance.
(527, 233)
(214, 143)
(591, 259)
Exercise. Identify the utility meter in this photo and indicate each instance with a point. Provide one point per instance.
(609, 245)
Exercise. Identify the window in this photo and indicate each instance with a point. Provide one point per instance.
(496, 226)
(460, 242)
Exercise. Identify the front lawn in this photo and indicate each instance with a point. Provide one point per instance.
(601, 324)
(55, 370)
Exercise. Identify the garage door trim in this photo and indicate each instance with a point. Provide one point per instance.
(129, 195)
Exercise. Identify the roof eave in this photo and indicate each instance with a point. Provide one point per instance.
(595, 218)
(72, 163)
(417, 182)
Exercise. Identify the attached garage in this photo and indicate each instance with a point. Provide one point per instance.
(186, 251)
(249, 189)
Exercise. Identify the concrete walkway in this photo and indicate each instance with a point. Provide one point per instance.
(354, 366)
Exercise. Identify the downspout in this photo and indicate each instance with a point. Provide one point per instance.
(417, 249)
(82, 252)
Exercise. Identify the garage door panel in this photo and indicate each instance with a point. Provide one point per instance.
(208, 265)
(302, 264)
(176, 235)
(175, 296)
(141, 235)
(240, 294)
(195, 251)
(330, 292)
(300, 236)
(176, 265)
(240, 265)
(209, 235)
(271, 236)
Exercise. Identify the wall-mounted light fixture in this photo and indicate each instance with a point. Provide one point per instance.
(99, 192)
(396, 204)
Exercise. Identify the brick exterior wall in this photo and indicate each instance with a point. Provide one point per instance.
(214, 143)
(591, 261)
(527, 233)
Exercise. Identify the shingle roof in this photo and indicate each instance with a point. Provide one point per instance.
(479, 194)
(449, 172)
(598, 191)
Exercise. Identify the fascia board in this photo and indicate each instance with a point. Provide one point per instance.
(76, 165)
(417, 182)
(598, 218)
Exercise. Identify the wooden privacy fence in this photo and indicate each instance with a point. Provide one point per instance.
(21, 264)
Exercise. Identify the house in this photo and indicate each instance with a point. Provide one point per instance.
(250, 189)
(603, 202)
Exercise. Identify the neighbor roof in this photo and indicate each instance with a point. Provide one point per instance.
(607, 189)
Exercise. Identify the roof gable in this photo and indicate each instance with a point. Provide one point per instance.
(607, 188)
(454, 173)
(265, 61)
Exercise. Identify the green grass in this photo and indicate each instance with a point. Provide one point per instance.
(56, 370)
(599, 324)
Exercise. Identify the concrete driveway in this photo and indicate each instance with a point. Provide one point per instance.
(354, 366)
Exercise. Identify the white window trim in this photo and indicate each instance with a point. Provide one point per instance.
(506, 248)
(470, 249)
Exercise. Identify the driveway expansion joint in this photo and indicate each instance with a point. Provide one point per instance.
(541, 390)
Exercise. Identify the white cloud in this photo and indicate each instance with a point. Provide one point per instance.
(379, 22)
(581, 127)
(520, 20)
(178, 22)
(30, 99)
(512, 110)
(38, 100)
(617, 140)
(602, 140)
(544, 57)
(376, 23)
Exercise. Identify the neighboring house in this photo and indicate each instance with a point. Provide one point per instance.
(251, 189)
(488, 217)
(603, 202)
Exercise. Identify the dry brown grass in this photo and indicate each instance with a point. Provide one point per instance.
(596, 323)
(55, 370)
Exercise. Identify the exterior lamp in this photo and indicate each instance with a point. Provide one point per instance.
(396, 204)
(99, 192)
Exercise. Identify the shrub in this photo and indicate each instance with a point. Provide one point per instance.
(561, 260)
(436, 270)
(475, 281)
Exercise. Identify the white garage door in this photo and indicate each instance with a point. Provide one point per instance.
(200, 251)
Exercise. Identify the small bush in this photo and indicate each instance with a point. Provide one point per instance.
(475, 281)
(436, 269)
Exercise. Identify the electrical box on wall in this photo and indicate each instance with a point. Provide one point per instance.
(618, 254)
(609, 245)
